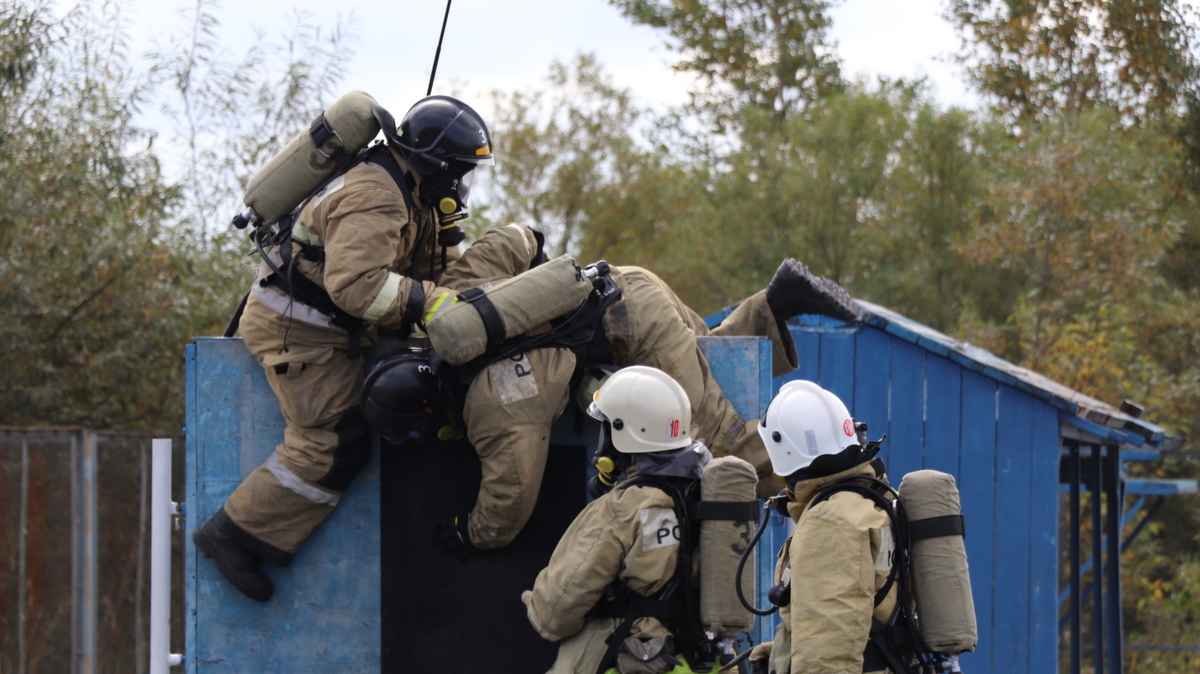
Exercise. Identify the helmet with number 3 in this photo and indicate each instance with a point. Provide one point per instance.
(444, 139)
(400, 394)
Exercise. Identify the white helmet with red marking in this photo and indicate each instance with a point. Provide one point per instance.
(802, 423)
(647, 410)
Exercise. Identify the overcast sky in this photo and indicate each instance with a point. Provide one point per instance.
(508, 45)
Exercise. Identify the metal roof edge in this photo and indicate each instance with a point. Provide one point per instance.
(1077, 405)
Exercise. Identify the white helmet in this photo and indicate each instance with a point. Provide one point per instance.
(803, 422)
(647, 409)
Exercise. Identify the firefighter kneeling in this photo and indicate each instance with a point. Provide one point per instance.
(620, 589)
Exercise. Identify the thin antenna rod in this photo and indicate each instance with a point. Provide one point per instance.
(438, 54)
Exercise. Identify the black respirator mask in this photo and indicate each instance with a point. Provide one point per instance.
(445, 186)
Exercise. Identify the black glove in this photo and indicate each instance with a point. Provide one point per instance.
(453, 537)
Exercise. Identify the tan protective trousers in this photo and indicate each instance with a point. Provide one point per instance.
(326, 441)
(652, 326)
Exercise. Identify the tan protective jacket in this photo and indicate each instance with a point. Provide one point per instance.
(837, 559)
(510, 407)
(628, 535)
(369, 236)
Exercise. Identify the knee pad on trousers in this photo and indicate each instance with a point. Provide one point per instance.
(353, 450)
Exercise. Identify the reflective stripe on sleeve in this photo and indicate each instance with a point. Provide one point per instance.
(385, 299)
(306, 235)
(438, 305)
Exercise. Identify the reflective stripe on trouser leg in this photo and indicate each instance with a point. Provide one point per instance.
(325, 444)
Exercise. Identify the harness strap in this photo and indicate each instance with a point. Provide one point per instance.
(493, 322)
(724, 510)
(879, 654)
(937, 527)
(300, 288)
(236, 319)
(380, 156)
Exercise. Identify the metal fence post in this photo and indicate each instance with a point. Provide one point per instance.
(161, 509)
(23, 556)
(83, 560)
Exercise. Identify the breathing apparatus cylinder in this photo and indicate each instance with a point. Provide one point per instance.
(722, 542)
(460, 333)
(940, 580)
(301, 166)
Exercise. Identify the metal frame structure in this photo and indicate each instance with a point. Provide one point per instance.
(1093, 459)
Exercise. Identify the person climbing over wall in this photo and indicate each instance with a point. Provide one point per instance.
(359, 259)
(508, 406)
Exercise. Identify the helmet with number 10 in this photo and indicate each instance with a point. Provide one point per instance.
(648, 410)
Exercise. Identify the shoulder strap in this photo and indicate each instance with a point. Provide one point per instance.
(382, 157)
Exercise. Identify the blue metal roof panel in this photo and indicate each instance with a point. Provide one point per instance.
(1023, 379)
(1071, 402)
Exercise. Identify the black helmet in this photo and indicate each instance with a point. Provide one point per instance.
(400, 393)
(444, 140)
(439, 130)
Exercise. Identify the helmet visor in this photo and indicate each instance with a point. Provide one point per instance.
(594, 412)
(464, 186)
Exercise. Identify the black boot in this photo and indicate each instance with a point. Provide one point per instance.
(794, 291)
(237, 564)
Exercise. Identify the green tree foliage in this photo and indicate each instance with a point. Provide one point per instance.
(772, 55)
(1037, 58)
(564, 146)
(108, 265)
(1090, 210)
(1081, 216)
(88, 276)
(231, 114)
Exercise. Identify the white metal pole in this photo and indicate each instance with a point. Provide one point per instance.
(161, 509)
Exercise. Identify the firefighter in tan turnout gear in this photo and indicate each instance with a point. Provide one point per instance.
(617, 570)
(839, 562)
(508, 409)
(368, 242)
